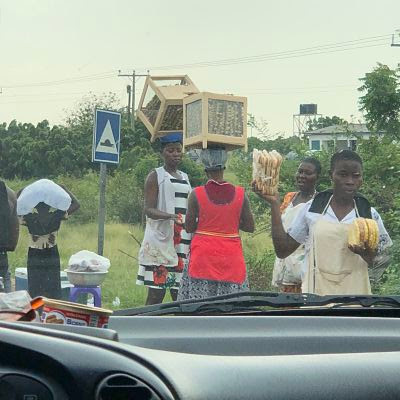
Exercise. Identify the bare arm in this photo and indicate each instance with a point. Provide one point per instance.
(284, 244)
(246, 217)
(192, 213)
(151, 197)
(74, 203)
(13, 233)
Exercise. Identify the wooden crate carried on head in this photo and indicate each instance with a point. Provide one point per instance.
(161, 104)
(214, 119)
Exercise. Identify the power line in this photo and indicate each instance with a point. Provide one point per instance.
(367, 42)
(38, 100)
(292, 88)
(6, 95)
(249, 91)
(302, 52)
(283, 57)
(87, 78)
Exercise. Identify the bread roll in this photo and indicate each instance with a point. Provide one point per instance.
(266, 167)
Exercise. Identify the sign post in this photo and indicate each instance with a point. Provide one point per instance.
(106, 146)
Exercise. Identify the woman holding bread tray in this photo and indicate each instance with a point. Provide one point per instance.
(342, 233)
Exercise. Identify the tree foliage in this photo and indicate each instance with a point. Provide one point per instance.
(381, 99)
(323, 122)
(64, 153)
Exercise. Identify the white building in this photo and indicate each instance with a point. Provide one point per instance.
(337, 137)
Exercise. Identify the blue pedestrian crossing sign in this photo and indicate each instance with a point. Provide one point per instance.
(106, 136)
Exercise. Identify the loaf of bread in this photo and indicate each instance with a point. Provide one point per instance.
(266, 167)
(364, 233)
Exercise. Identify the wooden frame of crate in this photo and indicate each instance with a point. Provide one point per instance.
(166, 103)
(196, 122)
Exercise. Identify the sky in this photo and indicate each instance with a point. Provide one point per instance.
(279, 54)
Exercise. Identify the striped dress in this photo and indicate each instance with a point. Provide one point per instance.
(158, 268)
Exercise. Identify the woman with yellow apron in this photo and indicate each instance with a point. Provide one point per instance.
(330, 266)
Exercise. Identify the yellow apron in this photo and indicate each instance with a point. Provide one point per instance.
(332, 267)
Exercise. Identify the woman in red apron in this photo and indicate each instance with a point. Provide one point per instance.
(330, 266)
(216, 212)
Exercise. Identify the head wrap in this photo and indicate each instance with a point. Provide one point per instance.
(213, 159)
(173, 137)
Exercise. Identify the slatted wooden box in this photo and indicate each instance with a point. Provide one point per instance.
(216, 119)
(161, 103)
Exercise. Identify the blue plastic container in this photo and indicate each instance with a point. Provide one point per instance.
(21, 282)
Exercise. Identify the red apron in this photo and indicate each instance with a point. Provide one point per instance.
(216, 249)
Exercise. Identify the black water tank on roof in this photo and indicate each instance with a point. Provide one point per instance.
(308, 109)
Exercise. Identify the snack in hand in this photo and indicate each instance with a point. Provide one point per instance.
(364, 233)
(266, 167)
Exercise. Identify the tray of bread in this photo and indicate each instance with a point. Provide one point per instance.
(266, 167)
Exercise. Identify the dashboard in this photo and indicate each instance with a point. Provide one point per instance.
(203, 357)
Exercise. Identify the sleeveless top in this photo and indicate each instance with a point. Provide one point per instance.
(216, 250)
(158, 243)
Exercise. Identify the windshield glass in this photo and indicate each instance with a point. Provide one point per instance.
(263, 155)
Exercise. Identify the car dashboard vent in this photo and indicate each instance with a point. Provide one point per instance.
(124, 387)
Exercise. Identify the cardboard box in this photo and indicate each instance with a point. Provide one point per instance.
(68, 313)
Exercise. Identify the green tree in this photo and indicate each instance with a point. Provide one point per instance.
(323, 122)
(381, 99)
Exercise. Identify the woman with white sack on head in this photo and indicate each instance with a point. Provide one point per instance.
(42, 206)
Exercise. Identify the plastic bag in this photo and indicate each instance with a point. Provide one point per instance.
(87, 261)
(379, 266)
(46, 191)
(15, 301)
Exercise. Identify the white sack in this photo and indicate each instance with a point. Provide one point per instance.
(87, 261)
(46, 191)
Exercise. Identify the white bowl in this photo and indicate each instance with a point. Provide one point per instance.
(86, 278)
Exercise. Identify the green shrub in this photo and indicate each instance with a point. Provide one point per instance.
(259, 270)
(86, 190)
(124, 198)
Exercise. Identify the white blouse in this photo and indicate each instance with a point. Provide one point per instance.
(300, 228)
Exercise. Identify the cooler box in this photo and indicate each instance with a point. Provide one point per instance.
(21, 282)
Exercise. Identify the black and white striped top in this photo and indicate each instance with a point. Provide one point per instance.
(182, 189)
(175, 202)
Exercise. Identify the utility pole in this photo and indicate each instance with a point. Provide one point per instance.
(128, 90)
(397, 33)
(133, 76)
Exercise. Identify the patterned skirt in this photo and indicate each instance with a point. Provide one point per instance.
(159, 276)
(192, 288)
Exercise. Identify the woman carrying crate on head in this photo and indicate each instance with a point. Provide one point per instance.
(166, 243)
(216, 212)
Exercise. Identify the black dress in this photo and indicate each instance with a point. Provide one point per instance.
(4, 236)
(44, 262)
